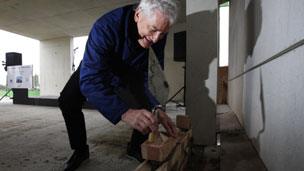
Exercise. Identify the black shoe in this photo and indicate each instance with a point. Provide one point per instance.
(134, 153)
(76, 159)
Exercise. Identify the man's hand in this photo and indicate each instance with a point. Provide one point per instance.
(167, 123)
(140, 119)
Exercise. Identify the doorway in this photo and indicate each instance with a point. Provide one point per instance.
(222, 85)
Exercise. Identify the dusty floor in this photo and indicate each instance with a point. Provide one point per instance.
(236, 151)
(34, 138)
(233, 151)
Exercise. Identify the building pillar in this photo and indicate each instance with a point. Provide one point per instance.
(201, 69)
(55, 65)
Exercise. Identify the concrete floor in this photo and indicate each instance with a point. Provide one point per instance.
(233, 151)
(237, 151)
(34, 138)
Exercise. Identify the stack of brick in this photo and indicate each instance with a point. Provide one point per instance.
(170, 153)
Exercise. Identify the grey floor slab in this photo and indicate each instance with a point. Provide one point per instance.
(35, 138)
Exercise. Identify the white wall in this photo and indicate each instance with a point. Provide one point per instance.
(269, 99)
(174, 71)
(55, 65)
(195, 6)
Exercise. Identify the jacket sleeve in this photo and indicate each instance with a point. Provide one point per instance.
(97, 81)
(159, 50)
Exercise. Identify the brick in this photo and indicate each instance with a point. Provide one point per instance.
(163, 167)
(183, 122)
(158, 151)
(174, 160)
(184, 140)
(183, 166)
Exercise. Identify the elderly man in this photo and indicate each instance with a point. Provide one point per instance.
(113, 75)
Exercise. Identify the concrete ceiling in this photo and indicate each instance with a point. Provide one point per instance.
(47, 19)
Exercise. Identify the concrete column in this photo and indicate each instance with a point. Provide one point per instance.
(55, 65)
(201, 68)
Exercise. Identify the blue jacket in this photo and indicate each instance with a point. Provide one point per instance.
(113, 59)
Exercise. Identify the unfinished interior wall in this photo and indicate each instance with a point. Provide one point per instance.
(174, 71)
(201, 68)
(269, 99)
(55, 65)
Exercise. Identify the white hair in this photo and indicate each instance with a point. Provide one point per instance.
(168, 7)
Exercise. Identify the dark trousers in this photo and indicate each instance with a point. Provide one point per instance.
(71, 101)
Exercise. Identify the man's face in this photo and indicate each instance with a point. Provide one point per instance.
(151, 29)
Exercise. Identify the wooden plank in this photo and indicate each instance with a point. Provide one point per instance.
(163, 167)
(222, 84)
(179, 154)
(183, 166)
(144, 166)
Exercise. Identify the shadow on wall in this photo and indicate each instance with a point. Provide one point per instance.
(201, 51)
(256, 141)
(254, 24)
